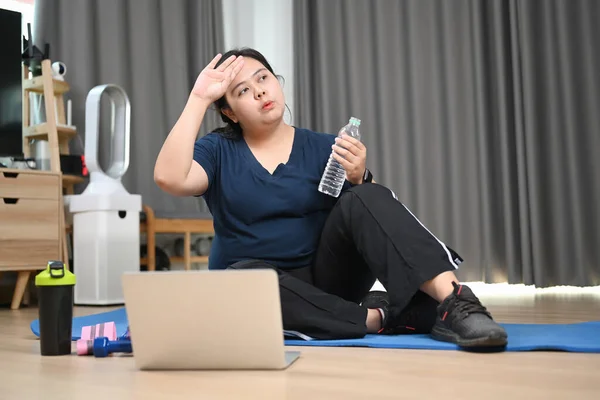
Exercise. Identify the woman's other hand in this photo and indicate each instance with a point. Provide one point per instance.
(352, 154)
(212, 83)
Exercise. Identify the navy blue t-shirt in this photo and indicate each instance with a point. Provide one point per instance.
(277, 218)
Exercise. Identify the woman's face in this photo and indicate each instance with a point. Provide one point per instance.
(255, 96)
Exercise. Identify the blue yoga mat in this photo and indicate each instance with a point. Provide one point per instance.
(583, 337)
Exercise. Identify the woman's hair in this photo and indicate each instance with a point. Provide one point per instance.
(233, 130)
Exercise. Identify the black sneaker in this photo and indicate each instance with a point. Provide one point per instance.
(463, 320)
(417, 317)
(377, 299)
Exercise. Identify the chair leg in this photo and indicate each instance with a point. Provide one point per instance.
(27, 294)
(151, 254)
(150, 238)
(187, 245)
(22, 280)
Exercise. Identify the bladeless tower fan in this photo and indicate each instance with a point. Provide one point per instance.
(106, 220)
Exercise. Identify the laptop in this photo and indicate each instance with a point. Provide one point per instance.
(201, 320)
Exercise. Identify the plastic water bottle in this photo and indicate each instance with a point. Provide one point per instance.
(334, 175)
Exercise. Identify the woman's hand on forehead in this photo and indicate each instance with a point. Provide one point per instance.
(213, 81)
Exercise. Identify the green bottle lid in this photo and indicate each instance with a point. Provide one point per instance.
(355, 121)
(55, 274)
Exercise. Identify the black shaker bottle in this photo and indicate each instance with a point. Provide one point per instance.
(55, 296)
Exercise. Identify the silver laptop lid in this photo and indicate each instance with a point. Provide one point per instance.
(205, 319)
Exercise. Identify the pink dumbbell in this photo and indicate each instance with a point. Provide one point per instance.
(85, 345)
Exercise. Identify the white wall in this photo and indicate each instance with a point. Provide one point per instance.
(265, 25)
(24, 7)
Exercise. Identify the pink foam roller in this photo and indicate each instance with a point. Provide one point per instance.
(86, 332)
(106, 329)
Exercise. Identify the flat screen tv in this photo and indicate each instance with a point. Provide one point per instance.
(11, 97)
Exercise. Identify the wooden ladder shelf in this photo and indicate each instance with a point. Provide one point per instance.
(54, 130)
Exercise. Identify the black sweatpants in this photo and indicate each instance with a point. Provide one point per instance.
(368, 235)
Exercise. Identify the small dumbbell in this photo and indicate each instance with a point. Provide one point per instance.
(85, 345)
(201, 246)
(104, 347)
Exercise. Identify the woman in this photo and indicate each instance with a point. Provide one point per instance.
(259, 177)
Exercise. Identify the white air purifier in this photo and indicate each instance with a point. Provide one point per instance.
(106, 218)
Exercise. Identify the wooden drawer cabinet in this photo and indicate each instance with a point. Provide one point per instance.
(29, 223)
(29, 185)
(28, 232)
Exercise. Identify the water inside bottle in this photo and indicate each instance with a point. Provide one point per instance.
(334, 175)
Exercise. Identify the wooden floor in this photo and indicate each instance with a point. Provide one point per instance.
(321, 373)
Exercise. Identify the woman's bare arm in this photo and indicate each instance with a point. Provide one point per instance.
(175, 171)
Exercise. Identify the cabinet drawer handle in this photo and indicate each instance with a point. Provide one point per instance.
(10, 174)
(10, 200)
